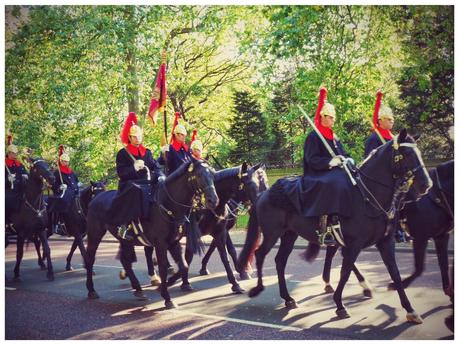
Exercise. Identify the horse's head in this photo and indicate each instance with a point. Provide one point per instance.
(95, 188)
(201, 177)
(408, 164)
(39, 170)
(253, 181)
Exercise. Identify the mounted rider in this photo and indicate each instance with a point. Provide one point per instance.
(15, 179)
(66, 188)
(177, 152)
(383, 121)
(326, 186)
(138, 172)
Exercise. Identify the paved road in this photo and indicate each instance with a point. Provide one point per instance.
(38, 309)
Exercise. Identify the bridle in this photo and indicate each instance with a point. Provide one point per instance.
(41, 204)
(403, 180)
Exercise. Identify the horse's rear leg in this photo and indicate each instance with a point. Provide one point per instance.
(285, 248)
(387, 249)
(221, 246)
(419, 251)
(19, 255)
(68, 266)
(349, 257)
(154, 279)
(176, 252)
(243, 274)
(161, 255)
(127, 257)
(260, 254)
(41, 263)
(47, 254)
(205, 260)
(441, 246)
(95, 234)
(330, 253)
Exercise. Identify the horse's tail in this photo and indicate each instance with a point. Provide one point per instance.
(193, 237)
(251, 241)
(311, 252)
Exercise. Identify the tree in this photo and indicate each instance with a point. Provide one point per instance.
(248, 130)
(427, 80)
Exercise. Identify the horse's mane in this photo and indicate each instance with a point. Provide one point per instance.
(226, 173)
(179, 172)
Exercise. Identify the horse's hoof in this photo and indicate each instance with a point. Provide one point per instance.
(204, 272)
(186, 287)
(68, 268)
(154, 280)
(171, 270)
(140, 295)
(244, 276)
(93, 295)
(368, 293)
(414, 318)
(170, 305)
(391, 287)
(237, 289)
(50, 276)
(342, 313)
(329, 289)
(122, 275)
(256, 291)
(291, 304)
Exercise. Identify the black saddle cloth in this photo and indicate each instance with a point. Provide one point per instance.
(132, 202)
(316, 195)
(13, 201)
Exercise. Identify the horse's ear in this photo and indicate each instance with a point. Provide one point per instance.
(416, 137)
(244, 168)
(402, 135)
(256, 167)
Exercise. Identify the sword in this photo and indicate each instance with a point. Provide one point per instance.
(329, 149)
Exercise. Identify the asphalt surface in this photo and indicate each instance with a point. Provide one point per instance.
(36, 308)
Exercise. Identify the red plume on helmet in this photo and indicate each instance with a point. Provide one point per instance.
(322, 99)
(379, 95)
(130, 120)
(61, 150)
(177, 116)
(193, 137)
(9, 140)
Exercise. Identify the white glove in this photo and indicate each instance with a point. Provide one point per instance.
(349, 160)
(79, 184)
(63, 187)
(139, 165)
(336, 161)
(161, 178)
(11, 177)
(165, 148)
(25, 176)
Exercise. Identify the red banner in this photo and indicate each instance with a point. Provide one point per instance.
(158, 99)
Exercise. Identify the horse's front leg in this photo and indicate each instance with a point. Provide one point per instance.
(19, 255)
(154, 279)
(36, 242)
(329, 255)
(68, 266)
(221, 246)
(176, 252)
(161, 256)
(47, 254)
(127, 257)
(387, 249)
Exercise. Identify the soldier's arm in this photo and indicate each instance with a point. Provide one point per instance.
(125, 166)
(312, 154)
(152, 164)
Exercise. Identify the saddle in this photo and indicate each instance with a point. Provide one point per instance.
(286, 194)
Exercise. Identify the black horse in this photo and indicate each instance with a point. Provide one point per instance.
(75, 222)
(240, 184)
(234, 207)
(387, 175)
(31, 220)
(163, 229)
(432, 216)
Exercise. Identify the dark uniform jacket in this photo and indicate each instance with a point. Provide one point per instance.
(14, 196)
(61, 203)
(325, 190)
(373, 142)
(126, 171)
(176, 158)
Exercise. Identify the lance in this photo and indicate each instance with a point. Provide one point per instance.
(327, 146)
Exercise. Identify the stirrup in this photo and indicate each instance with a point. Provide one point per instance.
(124, 232)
